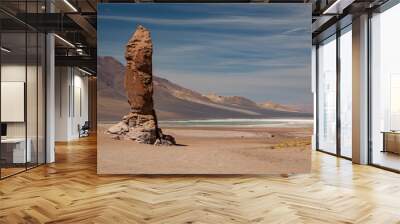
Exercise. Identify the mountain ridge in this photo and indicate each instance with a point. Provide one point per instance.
(174, 102)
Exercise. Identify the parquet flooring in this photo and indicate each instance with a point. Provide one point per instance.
(69, 191)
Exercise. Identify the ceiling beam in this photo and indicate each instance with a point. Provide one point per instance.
(90, 31)
(77, 61)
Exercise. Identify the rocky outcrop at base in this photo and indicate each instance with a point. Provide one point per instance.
(140, 128)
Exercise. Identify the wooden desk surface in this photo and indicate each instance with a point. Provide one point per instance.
(391, 132)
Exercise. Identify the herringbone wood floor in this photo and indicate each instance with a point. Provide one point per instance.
(69, 191)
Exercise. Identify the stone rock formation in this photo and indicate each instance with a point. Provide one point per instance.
(140, 124)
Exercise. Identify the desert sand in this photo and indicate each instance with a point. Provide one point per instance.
(210, 150)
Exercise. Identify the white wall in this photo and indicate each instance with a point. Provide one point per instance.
(80, 109)
(62, 81)
(13, 72)
(71, 102)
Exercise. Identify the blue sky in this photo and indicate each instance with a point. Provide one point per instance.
(259, 51)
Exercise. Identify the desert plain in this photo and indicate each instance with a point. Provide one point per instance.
(210, 150)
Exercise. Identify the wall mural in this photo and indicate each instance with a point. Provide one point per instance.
(204, 88)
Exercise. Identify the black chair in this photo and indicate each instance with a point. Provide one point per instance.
(84, 130)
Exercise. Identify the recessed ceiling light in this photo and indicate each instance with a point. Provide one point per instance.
(84, 71)
(70, 5)
(5, 50)
(64, 40)
(338, 6)
(79, 51)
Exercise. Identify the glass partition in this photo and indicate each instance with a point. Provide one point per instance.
(22, 66)
(31, 98)
(13, 94)
(327, 95)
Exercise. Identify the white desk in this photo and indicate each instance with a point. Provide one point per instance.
(19, 155)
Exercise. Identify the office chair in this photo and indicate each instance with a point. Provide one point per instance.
(84, 130)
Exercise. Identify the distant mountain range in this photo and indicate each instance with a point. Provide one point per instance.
(174, 102)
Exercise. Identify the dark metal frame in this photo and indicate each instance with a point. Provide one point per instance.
(316, 97)
(369, 80)
(338, 98)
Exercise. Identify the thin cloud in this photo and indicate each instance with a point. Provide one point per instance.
(233, 21)
(298, 30)
(254, 52)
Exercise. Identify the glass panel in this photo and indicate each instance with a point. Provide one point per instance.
(385, 84)
(31, 98)
(13, 86)
(327, 95)
(346, 92)
(32, 88)
(41, 99)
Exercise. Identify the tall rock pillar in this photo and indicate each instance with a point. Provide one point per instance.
(141, 123)
(138, 73)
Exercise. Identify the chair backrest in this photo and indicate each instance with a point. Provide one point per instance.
(86, 125)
